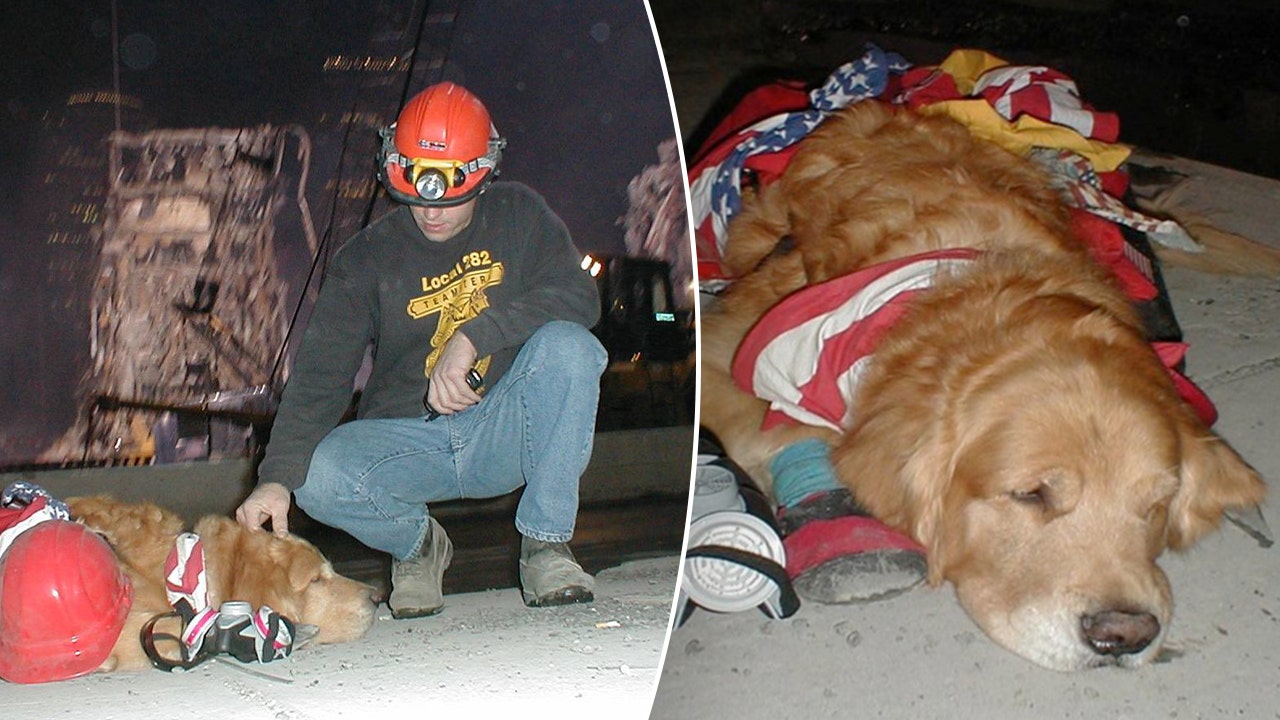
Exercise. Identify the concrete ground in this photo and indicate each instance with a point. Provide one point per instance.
(484, 654)
(918, 655)
(485, 651)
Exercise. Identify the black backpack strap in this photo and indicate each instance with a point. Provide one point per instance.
(789, 602)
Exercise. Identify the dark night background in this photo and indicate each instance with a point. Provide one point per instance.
(576, 87)
(1196, 78)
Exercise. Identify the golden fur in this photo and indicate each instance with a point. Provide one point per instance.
(288, 574)
(1015, 422)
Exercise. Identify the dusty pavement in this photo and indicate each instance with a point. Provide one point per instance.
(918, 655)
(484, 652)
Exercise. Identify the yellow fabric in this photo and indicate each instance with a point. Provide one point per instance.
(1020, 136)
(966, 66)
(1028, 132)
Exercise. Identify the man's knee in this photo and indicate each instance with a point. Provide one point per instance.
(304, 499)
(308, 496)
(325, 471)
(569, 346)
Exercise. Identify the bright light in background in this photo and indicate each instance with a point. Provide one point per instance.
(591, 265)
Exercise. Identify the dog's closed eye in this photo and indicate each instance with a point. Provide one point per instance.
(1037, 496)
(1051, 492)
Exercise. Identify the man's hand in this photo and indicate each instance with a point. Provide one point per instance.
(268, 501)
(448, 391)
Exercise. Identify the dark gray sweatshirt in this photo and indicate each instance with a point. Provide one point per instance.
(513, 269)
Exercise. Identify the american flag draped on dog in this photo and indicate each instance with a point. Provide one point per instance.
(1033, 110)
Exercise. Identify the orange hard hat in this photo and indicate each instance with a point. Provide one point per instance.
(442, 150)
(63, 603)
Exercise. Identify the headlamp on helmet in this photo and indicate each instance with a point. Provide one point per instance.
(433, 179)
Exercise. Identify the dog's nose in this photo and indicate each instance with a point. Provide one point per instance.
(1116, 632)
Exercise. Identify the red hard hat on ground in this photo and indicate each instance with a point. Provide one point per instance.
(442, 150)
(63, 602)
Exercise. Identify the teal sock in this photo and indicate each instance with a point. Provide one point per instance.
(800, 470)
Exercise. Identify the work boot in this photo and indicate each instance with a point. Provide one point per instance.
(417, 584)
(550, 576)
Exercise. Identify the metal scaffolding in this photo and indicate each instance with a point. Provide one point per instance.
(188, 312)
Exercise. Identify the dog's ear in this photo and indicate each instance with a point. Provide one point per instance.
(302, 565)
(928, 475)
(1214, 478)
(907, 491)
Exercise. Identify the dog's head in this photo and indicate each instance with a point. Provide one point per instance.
(288, 574)
(1045, 484)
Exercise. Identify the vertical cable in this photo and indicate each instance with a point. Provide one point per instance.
(115, 58)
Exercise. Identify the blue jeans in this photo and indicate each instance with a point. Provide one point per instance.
(535, 427)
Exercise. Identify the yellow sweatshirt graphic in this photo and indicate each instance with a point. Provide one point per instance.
(456, 297)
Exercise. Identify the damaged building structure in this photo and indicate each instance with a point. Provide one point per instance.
(188, 311)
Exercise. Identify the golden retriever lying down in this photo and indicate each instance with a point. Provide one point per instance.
(1015, 421)
(288, 574)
